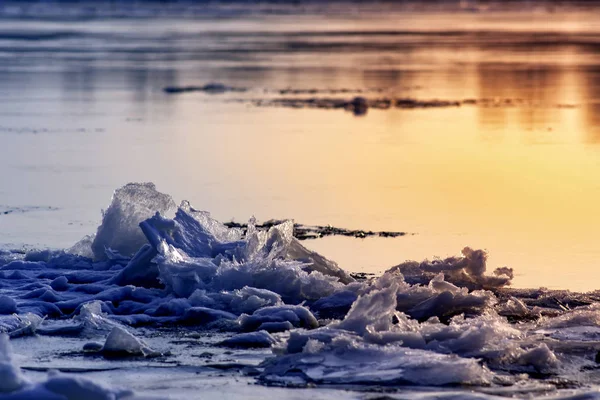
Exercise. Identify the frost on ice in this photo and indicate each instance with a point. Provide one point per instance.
(441, 322)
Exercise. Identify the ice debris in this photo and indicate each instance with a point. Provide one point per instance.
(467, 271)
(14, 385)
(122, 343)
(430, 323)
(249, 340)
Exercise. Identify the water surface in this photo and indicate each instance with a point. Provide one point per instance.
(82, 111)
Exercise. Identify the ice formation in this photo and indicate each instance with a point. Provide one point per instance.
(122, 343)
(441, 322)
(131, 205)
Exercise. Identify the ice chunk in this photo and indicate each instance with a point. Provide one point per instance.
(173, 307)
(249, 299)
(7, 305)
(582, 316)
(90, 321)
(249, 340)
(219, 231)
(514, 308)
(540, 357)
(245, 300)
(348, 361)
(373, 316)
(122, 343)
(372, 312)
(296, 315)
(197, 253)
(130, 205)
(467, 271)
(140, 270)
(40, 255)
(192, 231)
(183, 275)
(22, 325)
(316, 262)
(83, 247)
(335, 306)
(448, 304)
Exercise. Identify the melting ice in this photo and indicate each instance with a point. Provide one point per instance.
(153, 268)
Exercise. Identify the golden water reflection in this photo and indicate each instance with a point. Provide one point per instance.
(517, 173)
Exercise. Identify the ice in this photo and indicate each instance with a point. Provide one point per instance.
(298, 316)
(219, 231)
(10, 375)
(57, 386)
(60, 283)
(540, 357)
(203, 316)
(583, 316)
(245, 300)
(262, 261)
(252, 339)
(130, 205)
(347, 361)
(73, 388)
(466, 271)
(194, 251)
(279, 326)
(17, 325)
(140, 269)
(121, 342)
(83, 247)
(441, 322)
(93, 347)
(372, 312)
(514, 307)
(7, 305)
(373, 320)
(334, 306)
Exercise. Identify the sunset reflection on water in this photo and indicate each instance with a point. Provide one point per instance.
(517, 172)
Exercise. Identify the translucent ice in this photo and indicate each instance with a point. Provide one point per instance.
(122, 342)
(467, 271)
(130, 205)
